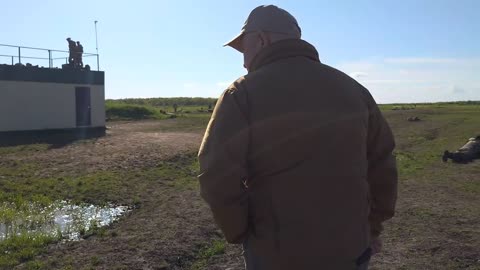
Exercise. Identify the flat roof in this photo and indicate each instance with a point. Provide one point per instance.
(51, 75)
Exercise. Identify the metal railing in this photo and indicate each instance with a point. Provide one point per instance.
(51, 53)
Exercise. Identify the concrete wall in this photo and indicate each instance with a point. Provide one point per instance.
(38, 105)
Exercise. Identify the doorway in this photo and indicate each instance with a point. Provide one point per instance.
(83, 106)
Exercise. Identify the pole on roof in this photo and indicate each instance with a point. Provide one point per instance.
(96, 46)
(19, 56)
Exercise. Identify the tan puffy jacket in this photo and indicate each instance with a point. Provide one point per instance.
(297, 158)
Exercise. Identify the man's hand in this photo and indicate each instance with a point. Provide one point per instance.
(376, 245)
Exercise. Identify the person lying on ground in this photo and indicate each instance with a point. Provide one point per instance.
(466, 153)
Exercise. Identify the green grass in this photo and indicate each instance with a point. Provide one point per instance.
(207, 252)
(433, 195)
(36, 265)
(20, 186)
(420, 145)
(26, 149)
(419, 148)
(20, 182)
(22, 248)
(471, 186)
(187, 123)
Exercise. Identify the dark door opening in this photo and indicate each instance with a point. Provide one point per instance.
(83, 107)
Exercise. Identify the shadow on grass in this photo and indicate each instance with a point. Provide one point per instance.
(55, 138)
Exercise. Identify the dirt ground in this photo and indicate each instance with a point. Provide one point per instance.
(164, 232)
(436, 225)
(127, 145)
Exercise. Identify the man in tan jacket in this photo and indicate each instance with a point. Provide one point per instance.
(296, 163)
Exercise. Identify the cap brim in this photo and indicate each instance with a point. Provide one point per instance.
(236, 42)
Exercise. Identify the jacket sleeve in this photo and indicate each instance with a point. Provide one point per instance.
(223, 165)
(382, 169)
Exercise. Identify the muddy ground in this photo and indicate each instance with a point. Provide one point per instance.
(436, 225)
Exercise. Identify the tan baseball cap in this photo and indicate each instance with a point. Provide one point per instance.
(269, 19)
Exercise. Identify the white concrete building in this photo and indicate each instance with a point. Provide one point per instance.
(44, 100)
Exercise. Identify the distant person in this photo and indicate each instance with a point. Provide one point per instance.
(71, 49)
(466, 153)
(296, 163)
(79, 55)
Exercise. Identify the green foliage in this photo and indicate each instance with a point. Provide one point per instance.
(117, 111)
(36, 265)
(157, 108)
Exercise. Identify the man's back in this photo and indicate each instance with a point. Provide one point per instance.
(308, 156)
(312, 138)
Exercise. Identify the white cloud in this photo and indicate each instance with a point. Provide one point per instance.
(415, 79)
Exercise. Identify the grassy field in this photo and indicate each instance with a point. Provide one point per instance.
(151, 166)
(121, 111)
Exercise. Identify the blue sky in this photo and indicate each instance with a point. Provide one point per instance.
(403, 51)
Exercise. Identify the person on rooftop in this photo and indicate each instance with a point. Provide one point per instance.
(71, 49)
(79, 55)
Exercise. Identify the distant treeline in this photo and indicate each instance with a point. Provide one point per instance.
(468, 102)
(162, 102)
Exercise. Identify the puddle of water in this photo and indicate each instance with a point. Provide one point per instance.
(60, 218)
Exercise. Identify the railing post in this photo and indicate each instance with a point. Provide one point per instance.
(19, 56)
(49, 58)
(13, 57)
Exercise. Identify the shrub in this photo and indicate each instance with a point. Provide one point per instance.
(129, 112)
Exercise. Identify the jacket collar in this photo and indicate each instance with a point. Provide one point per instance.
(284, 49)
